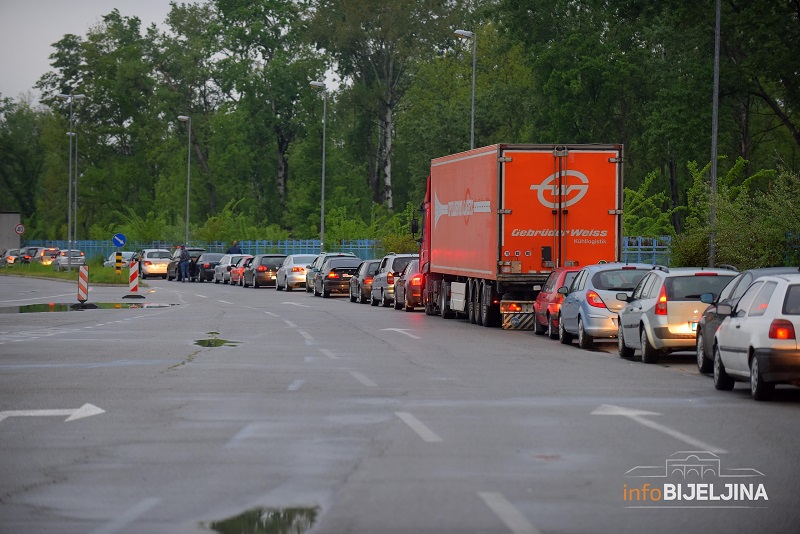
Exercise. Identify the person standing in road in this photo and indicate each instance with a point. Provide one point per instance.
(234, 248)
(184, 263)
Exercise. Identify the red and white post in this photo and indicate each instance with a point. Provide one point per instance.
(83, 284)
(133, 282)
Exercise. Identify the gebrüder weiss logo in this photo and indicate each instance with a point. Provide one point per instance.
(574, 185)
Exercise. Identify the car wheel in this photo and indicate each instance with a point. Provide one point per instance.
(144, 276)
(372, 300)
(308, 289)
(408, 306)
(759, 389)
(385, 300)
(538, 329)
(552, 329)
(350, 293)
(624, 350)
(288, 287)
(255, 283)
(563, 336)
(216, 280)
(397, 303)
(325, 294)
(649, 353)
(704, 365)
(722, 381)
(585, 341)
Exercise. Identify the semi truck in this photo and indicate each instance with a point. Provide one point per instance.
(497, 220)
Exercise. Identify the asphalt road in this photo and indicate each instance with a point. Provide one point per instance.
(216, 407)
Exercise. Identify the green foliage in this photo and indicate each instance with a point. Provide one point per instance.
(644, 212)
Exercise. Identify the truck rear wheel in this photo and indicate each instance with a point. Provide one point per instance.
(443, 307)
(489, 313)
(478, 298)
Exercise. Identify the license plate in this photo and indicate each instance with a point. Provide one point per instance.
(345, 275)
(694, 327)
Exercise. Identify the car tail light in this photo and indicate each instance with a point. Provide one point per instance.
(261, 268)
(390, 278)
(333, 275)
(416, 280)
(661, 303)
(593, 299)
(367, 279)
(148, 263)
(781, 329)
(206, 266)
(26, 257)
(298, 269)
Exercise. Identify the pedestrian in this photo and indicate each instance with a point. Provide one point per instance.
(234, 248)
(184, 263)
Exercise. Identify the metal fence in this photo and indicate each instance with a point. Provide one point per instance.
(655, 250)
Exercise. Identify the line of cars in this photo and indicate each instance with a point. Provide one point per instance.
(59, 259)
(741, 325)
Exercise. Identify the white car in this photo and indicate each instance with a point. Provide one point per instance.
(757, 341)
(63, 262)
(111, 261)
(154, 262)
(292, 272)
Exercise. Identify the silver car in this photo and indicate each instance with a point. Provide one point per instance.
(591, 305)
(153, 262)
(292, 272)
(64, 261)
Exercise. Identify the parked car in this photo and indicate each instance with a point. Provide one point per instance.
(334, 275)
(548, 301)
(222, 270)
(44, 255)
(292, 272)
(127, 257)
(408, 287)
(757, 341)
(173, 269)
(662, 313)
(206, 263)
(9, 257)
(711, 319)
(382, 290)
(361, 283)
(313, 267)
(261, 270)
(64, 261)
(237, 270)
(153, 262)
(26, 253)
(591, 305)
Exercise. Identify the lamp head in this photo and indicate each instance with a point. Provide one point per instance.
(184, 118)
(318, 85)
(465, 34)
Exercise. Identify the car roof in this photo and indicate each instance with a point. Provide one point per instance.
(618, 265)
(767, 271)
(792, 278)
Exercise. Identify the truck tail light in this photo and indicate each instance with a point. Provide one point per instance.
(661, 303)
(781, 329)
(510, 307)
(593, 299)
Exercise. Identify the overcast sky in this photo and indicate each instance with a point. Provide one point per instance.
(28, 28)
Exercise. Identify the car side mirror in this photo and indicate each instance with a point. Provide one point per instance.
(623, 297)
(563, 290)
(707, 298)
(725, 309)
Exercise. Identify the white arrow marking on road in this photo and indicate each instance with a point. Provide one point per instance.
(402, 331)
(639, 417)
(87, 410)
(296, 304)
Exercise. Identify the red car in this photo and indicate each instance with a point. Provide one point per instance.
(548, 302)
(237, 271)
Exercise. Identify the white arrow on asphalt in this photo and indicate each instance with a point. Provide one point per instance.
(639, 417)
(87, 410)
(296, 304)
(401, 330)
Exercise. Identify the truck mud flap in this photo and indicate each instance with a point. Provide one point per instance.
(518, 321)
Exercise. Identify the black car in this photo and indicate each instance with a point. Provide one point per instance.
(408, 288)
(334, 276)
(205, 265)
(262, 270)
(711, 320)
(173, 269)
(361, 283)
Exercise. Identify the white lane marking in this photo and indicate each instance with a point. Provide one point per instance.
(39, 298)
(128, 517)
(296, 304)
(224, 302)
(296, 385)
(290, 324)
(419, 427)
(363, 379)
(508, 514)
(638, 416)
(201, 296)
(401, 331)
(242, 435)
(329, 354)
(272, 314)
(305, 334)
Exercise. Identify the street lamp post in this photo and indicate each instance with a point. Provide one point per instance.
(187, 119)
(464, 34)
(321, 86)
(70, 207)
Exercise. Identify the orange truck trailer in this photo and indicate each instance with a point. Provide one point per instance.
(498, 219)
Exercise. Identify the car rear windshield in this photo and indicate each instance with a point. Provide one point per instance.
(618, 279)
(791, 306)
(302, 260)
(692, 286)
(159, 254)
(400, 264)
(344, 262)
(272, 262)
(213, 256)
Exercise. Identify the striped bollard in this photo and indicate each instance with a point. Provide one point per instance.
(83, 284)
(133, 282)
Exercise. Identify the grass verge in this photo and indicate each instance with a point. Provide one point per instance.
(97, 273)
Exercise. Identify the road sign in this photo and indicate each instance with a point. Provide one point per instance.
(19, 229)
(119, 240)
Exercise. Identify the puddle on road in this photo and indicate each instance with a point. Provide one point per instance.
(214, 341)
(267, 521)
(60, 307)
